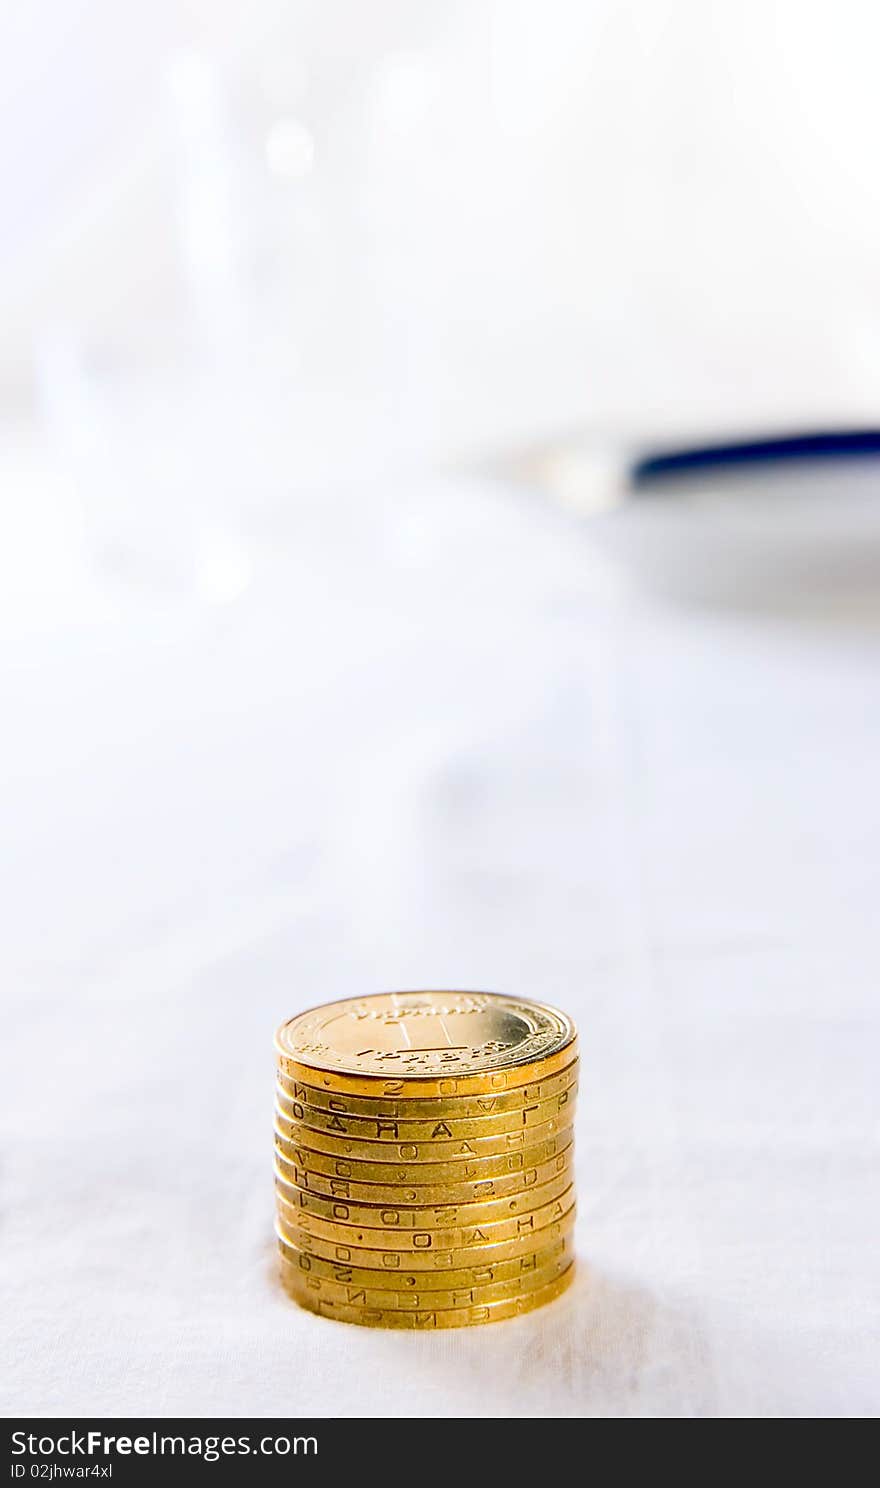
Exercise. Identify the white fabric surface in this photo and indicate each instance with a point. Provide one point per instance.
(438, 743)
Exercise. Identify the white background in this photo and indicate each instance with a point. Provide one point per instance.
(472, 758)
(308, 689)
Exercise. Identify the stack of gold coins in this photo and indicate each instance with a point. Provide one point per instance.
(424, 1157)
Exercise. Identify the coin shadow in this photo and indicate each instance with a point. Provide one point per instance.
(606, 1347)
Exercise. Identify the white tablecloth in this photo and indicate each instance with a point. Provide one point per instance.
(437, 742)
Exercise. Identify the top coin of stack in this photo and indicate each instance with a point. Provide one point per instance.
(424, 1157)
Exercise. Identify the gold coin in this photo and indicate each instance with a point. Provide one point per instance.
(426, 1260)
(422, 1044)
(471, 1170)
(429, 1217)
(424, 1195)
(394, 1278)
(421, 1249)
(450, 1317)
(291, 1134)
(446, 1127)
(414, 1108)
(452, 1237)
(300, 1282)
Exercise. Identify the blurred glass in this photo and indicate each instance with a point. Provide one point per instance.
(256, 252)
